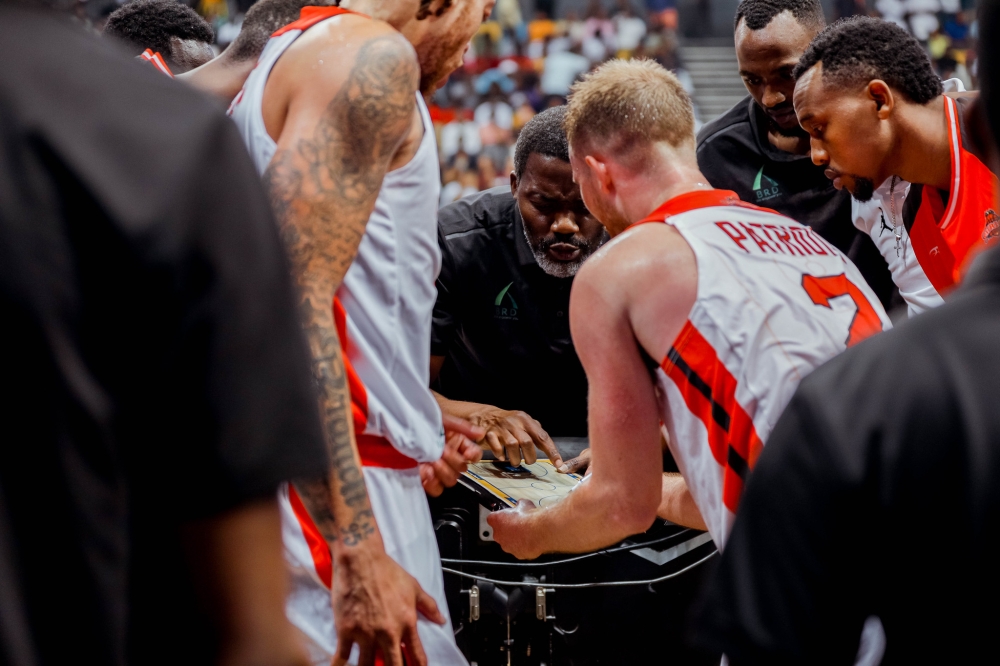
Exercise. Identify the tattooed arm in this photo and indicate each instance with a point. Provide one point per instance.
(342, 130)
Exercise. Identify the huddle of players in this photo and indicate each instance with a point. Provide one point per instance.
(723, 305)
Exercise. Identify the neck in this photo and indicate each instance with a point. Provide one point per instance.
(641, 196)
(399, 15)
(221, 77)
(922, 148)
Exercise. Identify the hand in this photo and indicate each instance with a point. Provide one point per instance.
(512, 530)
(578, 464)
(443, 473)
(375, 604)
(513, 435)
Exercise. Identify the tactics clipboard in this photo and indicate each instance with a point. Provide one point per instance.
(497, 489)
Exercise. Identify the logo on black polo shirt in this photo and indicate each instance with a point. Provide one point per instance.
(765, 188)
(992, 228)
(505, 307)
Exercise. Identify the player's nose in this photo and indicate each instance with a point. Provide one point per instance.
(818, 152)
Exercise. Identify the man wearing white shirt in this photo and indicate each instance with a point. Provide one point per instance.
(882, 218)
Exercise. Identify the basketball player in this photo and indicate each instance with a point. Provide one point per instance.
(165, 33)
(333, 114)
(224, 76)
(734, 302)
(874, 113)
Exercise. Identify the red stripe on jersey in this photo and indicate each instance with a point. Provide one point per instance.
(318, 547)
(375, 451)
(696, 199)
(709, 391)
(310, 16)
(157, 61)
(946, 238)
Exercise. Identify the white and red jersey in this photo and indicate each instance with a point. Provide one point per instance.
(881, 218)
(774, 301)
(387, 297)
(383, 315)
(875, 218)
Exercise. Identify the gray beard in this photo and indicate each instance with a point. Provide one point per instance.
(559, 269)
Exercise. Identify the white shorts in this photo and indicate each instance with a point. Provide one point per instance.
(404, 519)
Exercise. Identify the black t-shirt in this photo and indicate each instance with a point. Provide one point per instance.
(153, 367)
(876, 494)
(735, 154)
(501, 322)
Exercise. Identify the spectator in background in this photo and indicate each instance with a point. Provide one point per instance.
(166, 28)
(630, 30)
(562, 69)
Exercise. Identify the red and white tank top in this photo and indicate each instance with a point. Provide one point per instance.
(774, 301)
(948, 229)
(383, 308)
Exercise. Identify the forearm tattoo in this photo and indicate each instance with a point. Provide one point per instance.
(323, 189)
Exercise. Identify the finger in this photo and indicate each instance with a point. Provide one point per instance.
(414, 649)
(544, 442)
(446, 474)
(495, 445)
(526, 444)
(344, 645)
(575, 464)
(433, 487)
(453, 455)
(455, 424)
(513, 448)
(429, 480)
(471, 452)
(391, 653)
(427, 607)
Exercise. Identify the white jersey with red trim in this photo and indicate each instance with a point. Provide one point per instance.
(881, 217)
(389, 291)
(383, 315)
(774, 301)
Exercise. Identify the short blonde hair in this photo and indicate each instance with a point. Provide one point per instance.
(628, 104)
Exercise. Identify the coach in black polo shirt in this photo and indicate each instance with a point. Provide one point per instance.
(758, 150)
(501, 351)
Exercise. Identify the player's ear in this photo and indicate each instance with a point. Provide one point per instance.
(879, 91)
(513, 184)
(600, 171)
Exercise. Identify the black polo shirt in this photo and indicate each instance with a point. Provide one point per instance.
(876, 495)
(734, 154)
(501, 322)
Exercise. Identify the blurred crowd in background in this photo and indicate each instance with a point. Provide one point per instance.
(519, 64)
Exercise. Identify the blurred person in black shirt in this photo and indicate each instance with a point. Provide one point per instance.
(167, 28)
(757, 148)
(157, 381)
(876, 495)
(501, 352)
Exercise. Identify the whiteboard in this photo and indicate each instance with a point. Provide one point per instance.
(545, 486)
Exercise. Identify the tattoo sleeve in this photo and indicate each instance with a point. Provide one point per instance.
(323, 187)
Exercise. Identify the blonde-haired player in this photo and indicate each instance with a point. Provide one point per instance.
(735, 303)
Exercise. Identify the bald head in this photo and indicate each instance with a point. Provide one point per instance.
(626, 107)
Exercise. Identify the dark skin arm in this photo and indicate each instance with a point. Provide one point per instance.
(339, 130)
(511, 434)
(237, 563)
